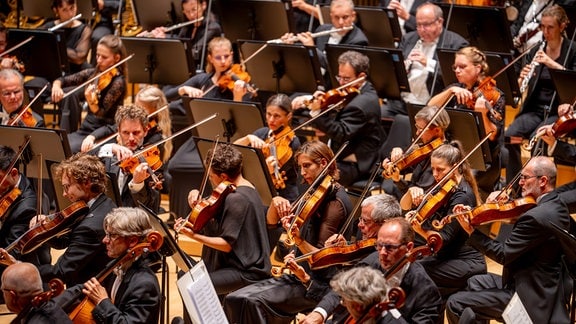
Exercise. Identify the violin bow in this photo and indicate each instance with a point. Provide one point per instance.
(427, 126)
(517, 176)
(16, 158)
(15, 47)
(15, 120)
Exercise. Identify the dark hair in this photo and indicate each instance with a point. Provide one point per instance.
(7, 154)
(114, 43)
(359, 62)
(227, 159)
(281, 100)
(84, 169)
(60, 3)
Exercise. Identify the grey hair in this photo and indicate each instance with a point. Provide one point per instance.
(543, 166)
(8, 73)
(128, 221)
(385, 206)
(363, 285)
(426, 114)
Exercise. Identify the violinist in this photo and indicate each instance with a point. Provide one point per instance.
(196, 33)
(83, 179)
(531, 257)
(395, 239)
(132, 294)
(236, 249)
(8, 62)
(102, 98)
(132, 184)
(21, 282)
(538, 108)
(278, 300)
(12, 100)
(278, 134)
(476, 90)
(450, 267)
(421, 178)
(358, 122)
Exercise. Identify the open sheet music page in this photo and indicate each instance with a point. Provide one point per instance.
(515, 312)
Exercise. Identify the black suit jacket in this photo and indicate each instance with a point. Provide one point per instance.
(353, 37)
(85, 253)
(531, 259)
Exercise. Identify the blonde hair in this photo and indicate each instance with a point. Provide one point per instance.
(154, 96)
(216, 42)
(476, 56)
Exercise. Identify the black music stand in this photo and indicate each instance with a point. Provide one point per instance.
(467, 127)
(251, 159)
(51, 62)
(234, 120)
(52, 144)
(484, 27)
(507, 81)
(568, 243)
(152, 14)
(282, 67)
(255, 19)
(158, 61)
(565, 82)
(380, 25)
(387, 72)
(42, 8)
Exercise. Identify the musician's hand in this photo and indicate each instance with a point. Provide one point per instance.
(6, 258)
(300, 102)
(286, 221)
(298, 271)
(190, 92)
(462, 95)
(140, 173)
(417, 195)
(417, 56)
(282, 206)
(525, 71)
(239, 90)
(480, 105)
(287, 38)
(180, 227)
(564, 109)
(335, 239)
(255, 141)
(121, 152)
(312, 318)
(193, 197)
(464, 222)
(396, 154)
(87, 143)
(159, 32)
(400, 10)
(306, 39)
(543, 58)
(39, 219)
(299, 4)
(271, 163)
(546, 133)
(57, 92)
(7, 63)
(497, 197)
(390, 171)
(94, 291)
(460, 208)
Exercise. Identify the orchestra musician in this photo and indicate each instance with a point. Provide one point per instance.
(21, 283)
(531, 257)
(133, 135)
(406, 12)
(278, 300)
(103, 23)
(132, 294)
(376, 210)
(394, 241)
(305, 10)
(526, 28)
(357, 122)
(8, 62)
(421, 179)
(236, 250)
(538, 107)
(83, 179)
(103, 97)
(278, 118)
(419, 49)
(475, 90)
(12, 100)
(196, 33)
(76, 33)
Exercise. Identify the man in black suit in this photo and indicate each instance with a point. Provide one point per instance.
(12, 100)
(133, 186)
(83, 180)
(134, 294)
(358, 122)
(531, 257)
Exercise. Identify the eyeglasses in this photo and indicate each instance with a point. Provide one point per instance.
(427, 24)
(222, 57)
(524, 177)
(365, 221)
(388, 247)
(343, 79)
(7, 94)
(112, 236)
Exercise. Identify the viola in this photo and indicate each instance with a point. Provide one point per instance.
(150, 156)
(234, 73)
(56, 224)
(413, 157)
(491, 212)
(7, 201)
(205, 209)
(83, 312)
(281, 151)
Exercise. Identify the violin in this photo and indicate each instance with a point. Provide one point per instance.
(56, 287)
(26, 119)
(205, 209)
(7, 201)
(339, 96)
(281, 151)
(491, 212)
(413, 157)
(12, 62)
(234, 73)
(564, 124)
(56, 224)
(396, 298)
(83, 312)
(150, 156)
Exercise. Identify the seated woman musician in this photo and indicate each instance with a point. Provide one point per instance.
(278, 300)
(236, 249)
(450, 267)
(421, 178)
(540, 106)
(477, 91)
(103, 97)
(278, 143)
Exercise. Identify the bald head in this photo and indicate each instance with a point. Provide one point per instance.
(23, 278)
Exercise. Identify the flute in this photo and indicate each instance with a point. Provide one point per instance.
(171, 28)
(313, 35)
(64, 23)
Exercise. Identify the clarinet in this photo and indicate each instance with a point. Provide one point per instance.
(533, 65)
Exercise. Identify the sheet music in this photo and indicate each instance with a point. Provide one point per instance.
(515, 312)
(200, 297)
